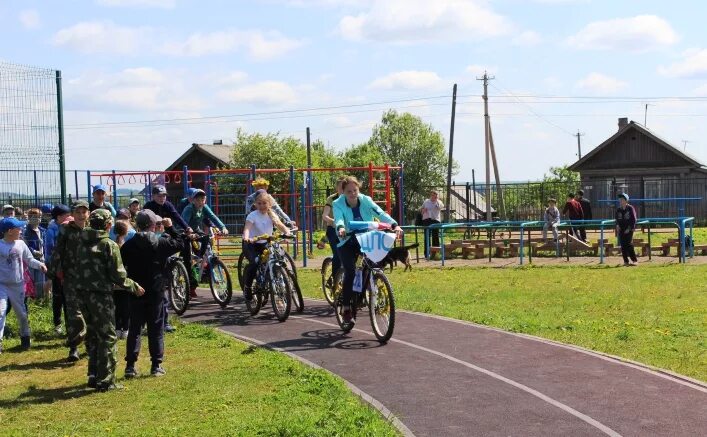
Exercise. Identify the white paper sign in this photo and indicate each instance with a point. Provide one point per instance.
(376, 244)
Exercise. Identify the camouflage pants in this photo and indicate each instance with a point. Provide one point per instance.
(99, 313)
(75, 323)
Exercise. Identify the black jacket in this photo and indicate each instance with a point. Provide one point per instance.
(586, 208)
(145, 256)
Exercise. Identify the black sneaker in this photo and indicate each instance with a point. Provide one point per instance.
(25, 343)
(158, 371)
(73, 355)
(108, 387)
(91, 381)
(348, 317)
(130, 371)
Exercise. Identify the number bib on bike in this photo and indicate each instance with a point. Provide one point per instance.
(358, 281)
(376, 244)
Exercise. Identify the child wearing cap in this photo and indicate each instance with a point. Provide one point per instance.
(625, 225)
(14, 255)
(99, 200)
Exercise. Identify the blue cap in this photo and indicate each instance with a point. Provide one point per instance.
(191, 192)
(47, 208)
(10, 223)
(100, 187)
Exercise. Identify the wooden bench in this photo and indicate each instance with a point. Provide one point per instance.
(477, 250)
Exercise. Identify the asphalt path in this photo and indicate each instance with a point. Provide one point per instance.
(443, 377)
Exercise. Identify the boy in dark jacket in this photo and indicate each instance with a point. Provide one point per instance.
(573, 211)
(625, 225)
(586, 211)
(145, 257)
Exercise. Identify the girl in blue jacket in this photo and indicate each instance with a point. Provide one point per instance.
(354, 206)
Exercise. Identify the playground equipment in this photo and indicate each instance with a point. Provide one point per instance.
(300, 192)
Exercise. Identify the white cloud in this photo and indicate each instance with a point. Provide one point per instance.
(478, 70)
(527, 38)
(636, 34)
(102, 37)
(693, 65)
(411, 21)
(601, 83)
(407, 80)
(259, 45)
(701, 90)
(269, 92)
(163, 4)
(30, 19)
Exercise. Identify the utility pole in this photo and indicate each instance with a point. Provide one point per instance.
(487, 143)
(451, 151)
(645, 115)
(684, 145)
(579, 144)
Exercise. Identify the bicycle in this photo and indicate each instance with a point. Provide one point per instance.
(328, 280)
(177, 284)
(209, 263)
(272, 276)
(374, 291)
(297, 298)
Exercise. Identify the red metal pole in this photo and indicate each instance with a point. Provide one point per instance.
(370, 179)
(387, 188)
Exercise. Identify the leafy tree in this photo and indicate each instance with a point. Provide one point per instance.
(405, 138)
(561, 174)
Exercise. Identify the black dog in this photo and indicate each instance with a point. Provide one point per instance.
(396, 254)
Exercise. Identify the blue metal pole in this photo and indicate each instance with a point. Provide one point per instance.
(692, 240)
(441, 243)
(36, 192)
(185, 179)
(601, 244)
(88, 184)
(115, 192)
(148, 191)
(304, 230)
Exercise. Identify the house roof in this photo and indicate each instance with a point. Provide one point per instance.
(639, 127)
(219, 152)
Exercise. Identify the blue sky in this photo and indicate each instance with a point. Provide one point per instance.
(560, 66)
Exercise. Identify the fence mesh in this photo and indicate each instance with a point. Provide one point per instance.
(29, 133)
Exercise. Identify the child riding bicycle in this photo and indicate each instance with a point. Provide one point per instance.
(354, 206)
(257, 223)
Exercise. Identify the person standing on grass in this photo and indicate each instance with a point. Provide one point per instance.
(625, 226)
(120, 233)
(586, 212)
(552, 218)
(34, 236)
(14, 255)
(63, 268)
(59, 214)
(101, 270)
(432, 214)
(99, 200)
(145, 256)
(573, 211)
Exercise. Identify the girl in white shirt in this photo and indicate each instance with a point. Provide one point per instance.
(257, 223)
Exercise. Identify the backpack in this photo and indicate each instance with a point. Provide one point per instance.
(418, 219)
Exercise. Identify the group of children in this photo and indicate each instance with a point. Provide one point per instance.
(82, 250)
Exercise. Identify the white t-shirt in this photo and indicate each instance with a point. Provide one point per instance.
(432, 209)
(262, 223)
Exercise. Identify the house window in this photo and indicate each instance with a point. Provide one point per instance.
(653, 188)
(616, 187)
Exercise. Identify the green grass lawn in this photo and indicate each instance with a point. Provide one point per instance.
(214, 385)
(652, 314)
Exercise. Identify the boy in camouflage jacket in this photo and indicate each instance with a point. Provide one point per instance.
(100, 268)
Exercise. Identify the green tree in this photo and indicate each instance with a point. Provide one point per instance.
(405, 138)
(561, 174)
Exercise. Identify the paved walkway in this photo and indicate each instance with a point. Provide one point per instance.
(443, 377)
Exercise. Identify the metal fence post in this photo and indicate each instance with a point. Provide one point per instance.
(207, 185)
(88, 184)
(115, 192)
(185, 178)
(36, 192)
(304, 228)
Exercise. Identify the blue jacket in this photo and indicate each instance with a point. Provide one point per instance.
(195, 219)
(343, 214)
(35, 240)
(50, 238)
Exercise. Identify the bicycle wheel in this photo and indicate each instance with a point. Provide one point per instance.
(297, 299)
(256, 302)
(220, 282)
(328, 280)
(339, 302)
(242, 265)
(290, 263)
(280, 293)
(381, 307)
(178, 287)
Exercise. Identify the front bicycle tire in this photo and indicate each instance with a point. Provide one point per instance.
(297, 299)
(256, 302)
(381, 307)
(178, 287)
(242, 265)
(220, 282)
(328, 280)
(280, 293)
(290, 263)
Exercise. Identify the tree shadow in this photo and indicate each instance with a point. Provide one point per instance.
(60, 363)
(36, 396)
